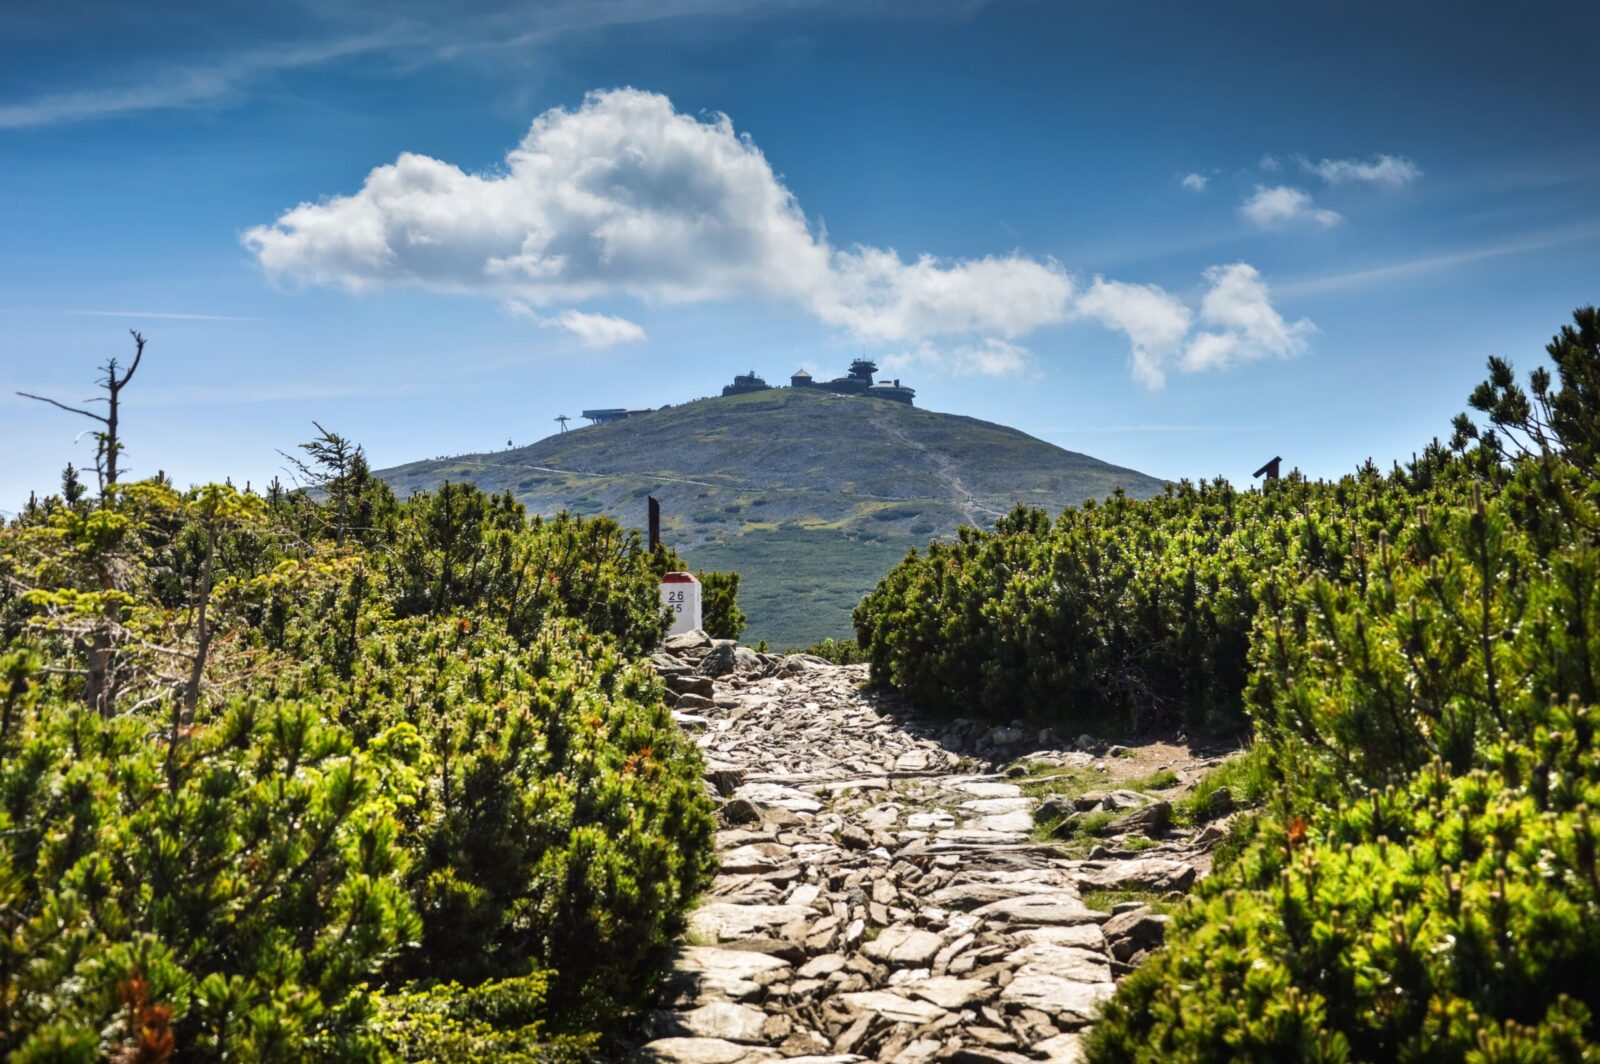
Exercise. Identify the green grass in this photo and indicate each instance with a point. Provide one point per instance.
(1161, 780)
(1104, 900)
(1068, 781)
(1248, 778)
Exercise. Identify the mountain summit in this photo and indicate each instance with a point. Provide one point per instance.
(812, 496)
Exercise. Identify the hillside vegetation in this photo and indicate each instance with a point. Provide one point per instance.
(1418, 653)
(285, 778)
(811, 497)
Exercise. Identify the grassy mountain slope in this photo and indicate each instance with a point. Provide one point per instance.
(811, 496)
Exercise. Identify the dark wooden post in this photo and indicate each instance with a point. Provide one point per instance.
(1270, 470)
(655, 523)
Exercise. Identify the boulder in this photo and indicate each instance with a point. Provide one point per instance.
(739, 811)
(1054, 807)
(1153, 820)
(687, 644)
(1132, 932)
(721, 659)
(689, 684)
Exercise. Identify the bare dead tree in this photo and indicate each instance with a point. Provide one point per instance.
(101, 690)
(108, 441)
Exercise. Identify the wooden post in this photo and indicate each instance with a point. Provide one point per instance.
(655, 523)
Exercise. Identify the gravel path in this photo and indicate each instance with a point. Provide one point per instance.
(881, 896)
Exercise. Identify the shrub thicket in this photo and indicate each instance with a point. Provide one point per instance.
(1128, 609)
(1419, 653)
(357, 780)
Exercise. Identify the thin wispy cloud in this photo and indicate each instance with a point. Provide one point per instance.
(407, 36)
(198, 86)
(1429, 264)
(1389, 170)
(1195, 182)
(163, 315)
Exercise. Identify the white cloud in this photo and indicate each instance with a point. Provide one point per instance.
(1391, 170)
(991, 358)
(1195, 182)
(1237, 307)
(597, 330)
(1278, 206)
(626, 196)
(591, 330)
(1154, 320)
(1270, 163)
(1245, 326)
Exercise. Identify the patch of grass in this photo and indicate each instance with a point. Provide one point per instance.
(1105, 900)
(1162, 780)
(1248, 778)
(1068, 781)
(1139, 842)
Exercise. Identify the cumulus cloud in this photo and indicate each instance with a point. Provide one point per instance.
(1195, 182)
(1244, 325)
(1280, 206)
(1390, 170)
(1241, 324)
(1154, 320)
(624, 197)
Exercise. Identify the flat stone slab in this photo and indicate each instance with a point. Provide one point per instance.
(1040, 910)
(722, 1019)
(1019, 821)
(948, 992)
(779, 797)
(910, 947)
(1034, 988)
(721, 921)
(703, 1051)
(999, 805)
(982, 789)
(1155, 874)
(893, 1007)
(732, 973)
(1066, 962)
(757, 857)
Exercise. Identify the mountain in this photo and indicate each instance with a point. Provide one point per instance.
(812, 497)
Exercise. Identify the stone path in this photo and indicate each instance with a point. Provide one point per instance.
(880, 895)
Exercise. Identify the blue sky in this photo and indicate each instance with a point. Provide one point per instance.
(1179, 237)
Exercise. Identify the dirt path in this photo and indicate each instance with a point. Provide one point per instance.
(885, 892)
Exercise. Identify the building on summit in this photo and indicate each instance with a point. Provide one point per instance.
(606, 415)
(857, 382)
(746, 383)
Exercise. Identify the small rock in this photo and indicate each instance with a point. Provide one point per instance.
(739, 811)
(1054, 807)
(853, 837)
(1219, 804)
(726, 780)
(1152, 820)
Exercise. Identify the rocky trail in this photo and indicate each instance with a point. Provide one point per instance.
(885, 892)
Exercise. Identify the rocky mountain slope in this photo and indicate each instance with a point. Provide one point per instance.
(811, 496)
